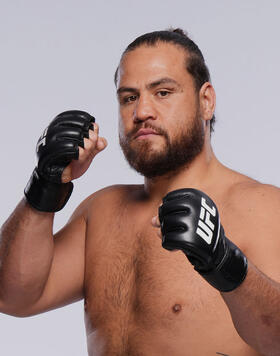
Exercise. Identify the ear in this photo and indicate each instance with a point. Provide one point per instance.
(207, 98)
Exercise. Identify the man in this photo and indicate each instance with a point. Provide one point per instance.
(221, 295)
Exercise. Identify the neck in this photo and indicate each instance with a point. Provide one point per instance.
(198, 174)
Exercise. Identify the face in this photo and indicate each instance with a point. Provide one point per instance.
(160, 128)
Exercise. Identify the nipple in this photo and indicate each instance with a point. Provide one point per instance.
(176, 308)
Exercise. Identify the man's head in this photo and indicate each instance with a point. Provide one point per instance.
(195, 63)
(163, 86)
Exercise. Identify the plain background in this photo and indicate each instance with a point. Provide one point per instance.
(61, 55)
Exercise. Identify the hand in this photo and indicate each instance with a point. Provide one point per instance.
(64, 150)
(92, 146)
(189, 221)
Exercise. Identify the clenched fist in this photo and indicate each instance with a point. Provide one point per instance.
(64, 151)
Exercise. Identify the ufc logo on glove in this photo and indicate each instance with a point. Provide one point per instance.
(205, 225)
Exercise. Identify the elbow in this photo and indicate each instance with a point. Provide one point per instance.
(16, 311)
(17, 307)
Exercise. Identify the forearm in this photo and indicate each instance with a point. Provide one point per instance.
(254, 308)
(26, 252)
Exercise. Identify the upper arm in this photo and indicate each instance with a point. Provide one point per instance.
(258, 227)
(66, 277)
(65, 283)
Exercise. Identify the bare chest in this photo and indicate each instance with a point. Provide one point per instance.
(129, 267)
(136, 290)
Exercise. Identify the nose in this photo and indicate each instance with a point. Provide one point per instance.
(144, 109)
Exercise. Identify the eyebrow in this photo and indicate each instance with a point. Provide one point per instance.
(161, 81)
(152, 85)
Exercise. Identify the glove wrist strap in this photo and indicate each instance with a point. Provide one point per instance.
(231, 271)
(47, 196)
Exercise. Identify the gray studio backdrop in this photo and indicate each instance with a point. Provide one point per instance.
(61, 55)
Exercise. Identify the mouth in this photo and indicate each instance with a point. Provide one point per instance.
(143, 134)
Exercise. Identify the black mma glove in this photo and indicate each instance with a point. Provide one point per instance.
(56, 148)
(190, 222)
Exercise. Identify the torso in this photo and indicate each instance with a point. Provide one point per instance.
(142, 300)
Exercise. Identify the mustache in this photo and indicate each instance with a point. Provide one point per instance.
(157, 129)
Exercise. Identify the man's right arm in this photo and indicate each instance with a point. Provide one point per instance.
(39, 271)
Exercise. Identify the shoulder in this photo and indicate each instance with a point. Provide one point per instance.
(252, 218)
(251, 202)
(251, 196)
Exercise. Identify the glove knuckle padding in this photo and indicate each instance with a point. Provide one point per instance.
(65, 133)
(78, 121)
(177, 194)
(75, 117)
(56, 148)
(60, 142)
(190, 222)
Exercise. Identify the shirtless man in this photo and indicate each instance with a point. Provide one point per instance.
(141, 298)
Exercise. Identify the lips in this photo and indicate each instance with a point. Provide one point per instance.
(145, 132)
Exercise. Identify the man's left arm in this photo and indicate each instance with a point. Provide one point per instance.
(189, 221)
(254, 308)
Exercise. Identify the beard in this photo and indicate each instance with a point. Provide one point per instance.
(175, 155)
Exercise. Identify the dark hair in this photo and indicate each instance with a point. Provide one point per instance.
(195, 63)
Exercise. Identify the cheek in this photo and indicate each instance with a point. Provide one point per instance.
(124, 126)
(126, 111)
(126, 119)
(182, 113)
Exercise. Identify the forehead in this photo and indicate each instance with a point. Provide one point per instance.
(148, 63)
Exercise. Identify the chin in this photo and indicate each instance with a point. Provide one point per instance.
(148, 146)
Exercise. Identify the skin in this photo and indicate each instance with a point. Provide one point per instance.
(141, 299)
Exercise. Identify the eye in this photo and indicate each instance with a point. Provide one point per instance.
(129, 99)
(162, 93)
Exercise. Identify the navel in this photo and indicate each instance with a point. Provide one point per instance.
(176, 308)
